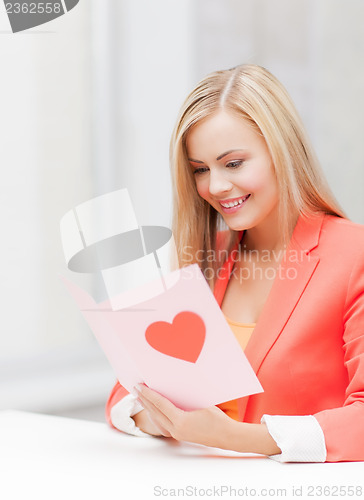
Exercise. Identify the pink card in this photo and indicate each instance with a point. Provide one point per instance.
(178, 342)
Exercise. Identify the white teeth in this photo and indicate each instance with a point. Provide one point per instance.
(234, 203)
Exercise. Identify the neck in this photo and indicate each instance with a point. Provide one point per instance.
(266, 235)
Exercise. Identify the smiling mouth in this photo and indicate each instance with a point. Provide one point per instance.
(233, 204)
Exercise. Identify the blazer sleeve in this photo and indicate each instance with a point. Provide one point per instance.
(116, 395)
(344, 427)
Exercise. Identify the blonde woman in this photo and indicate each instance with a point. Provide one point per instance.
(287, 271)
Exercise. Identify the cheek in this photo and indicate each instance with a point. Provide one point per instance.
(262, 181)
(253, 181)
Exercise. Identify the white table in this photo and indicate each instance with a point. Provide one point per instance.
(47, 457)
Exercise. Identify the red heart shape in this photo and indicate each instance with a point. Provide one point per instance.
(183, 339)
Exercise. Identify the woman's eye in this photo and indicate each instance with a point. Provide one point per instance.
(234, 164)
(200, 170)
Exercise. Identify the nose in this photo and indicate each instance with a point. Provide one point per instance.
(218, 184)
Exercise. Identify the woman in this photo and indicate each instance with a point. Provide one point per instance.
(295, 296)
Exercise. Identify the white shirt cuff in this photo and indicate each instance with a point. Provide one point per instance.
(122, 412)
(300, 438)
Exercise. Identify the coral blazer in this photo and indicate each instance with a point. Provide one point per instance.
(307, 347)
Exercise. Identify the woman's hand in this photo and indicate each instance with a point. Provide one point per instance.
(145, 422)
(209, 426)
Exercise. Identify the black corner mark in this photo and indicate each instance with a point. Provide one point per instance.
(26, 14)
(70, 4)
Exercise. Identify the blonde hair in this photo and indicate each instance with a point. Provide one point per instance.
(260, 99)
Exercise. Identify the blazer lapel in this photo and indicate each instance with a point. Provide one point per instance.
(294, 273)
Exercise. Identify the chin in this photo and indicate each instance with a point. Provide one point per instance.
(235, 226)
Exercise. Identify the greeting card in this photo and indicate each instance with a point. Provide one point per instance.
(160, 327)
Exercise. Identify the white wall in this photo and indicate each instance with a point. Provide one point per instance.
(340, 114)
(45, 94)
(155, 74)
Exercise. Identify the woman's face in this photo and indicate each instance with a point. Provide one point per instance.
(233, 170)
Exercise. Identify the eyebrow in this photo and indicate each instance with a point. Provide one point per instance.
(220, 157)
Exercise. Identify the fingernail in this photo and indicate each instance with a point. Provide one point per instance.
(136, 389)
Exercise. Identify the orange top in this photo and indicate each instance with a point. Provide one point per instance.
(242, 332)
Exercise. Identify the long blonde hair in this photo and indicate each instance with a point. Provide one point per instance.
(260, 99)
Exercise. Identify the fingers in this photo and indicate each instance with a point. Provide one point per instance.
(156, 425)
(163, 413)
(157, 416)
(148, 425)
(159, 402)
